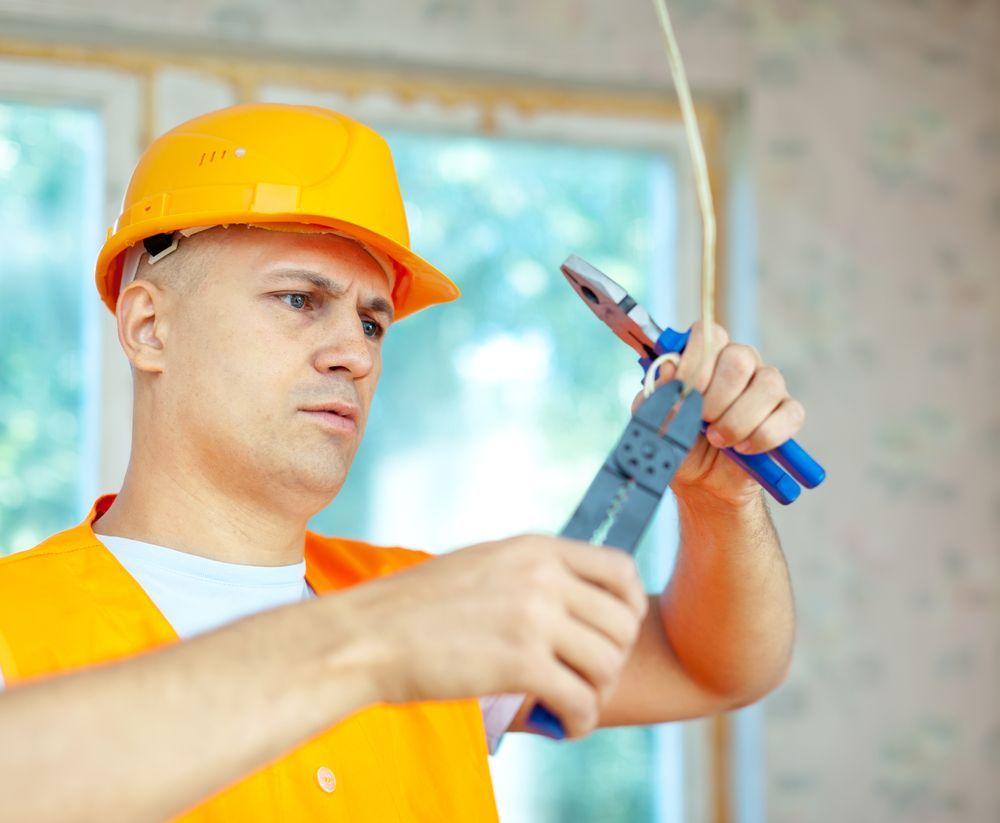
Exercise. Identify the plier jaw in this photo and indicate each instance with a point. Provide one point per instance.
(614, 306)
(627, 489)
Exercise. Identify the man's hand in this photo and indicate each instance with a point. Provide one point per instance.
(544, 616)
(748, 407)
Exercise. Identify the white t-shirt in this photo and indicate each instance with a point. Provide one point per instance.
(198, 594)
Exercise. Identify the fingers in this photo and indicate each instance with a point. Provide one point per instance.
(783, 423)
(739, 393)
(734, 370)
(694, 369)
(588, 618)
(746, 402)
(611, 569)
(590, 653)
(567, 695)
(751, 411)
(604, 612)
(581, 662)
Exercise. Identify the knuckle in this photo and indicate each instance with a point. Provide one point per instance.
(627, 573)
(523, 670)
(609, 667)
(740, 358)
(592, 713)
(583, 711)
(765, 438)
(540, 573)
(771, 379)
(529, 541)
(532, 611)
(622, 566)
(724, 428)
(624, 630)
(796, 413)
(719, 335)
(636, 626)
(641, 599)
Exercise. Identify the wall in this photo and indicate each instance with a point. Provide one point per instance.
(873, 144)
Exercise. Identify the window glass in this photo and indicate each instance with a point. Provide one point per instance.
(51, 179)
(494, 412)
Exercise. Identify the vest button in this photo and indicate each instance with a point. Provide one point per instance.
(326, 778)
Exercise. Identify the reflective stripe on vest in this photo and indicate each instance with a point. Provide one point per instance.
(68, 603)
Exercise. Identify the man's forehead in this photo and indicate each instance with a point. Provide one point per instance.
(260, 247)
(327, 243)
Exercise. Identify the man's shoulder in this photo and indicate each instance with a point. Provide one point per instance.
(350, 560)
(62, 545)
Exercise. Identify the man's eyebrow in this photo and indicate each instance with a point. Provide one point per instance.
(379, 305)
(375, 304)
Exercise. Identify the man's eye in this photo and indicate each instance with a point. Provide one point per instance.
(297, 300)
(371, 328)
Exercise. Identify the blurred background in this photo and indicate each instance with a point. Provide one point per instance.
(855, 155)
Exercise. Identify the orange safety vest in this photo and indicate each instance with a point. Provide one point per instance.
(68, 603)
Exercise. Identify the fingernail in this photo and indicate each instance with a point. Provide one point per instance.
(715, 438)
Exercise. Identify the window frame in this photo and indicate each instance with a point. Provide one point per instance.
(116, 99)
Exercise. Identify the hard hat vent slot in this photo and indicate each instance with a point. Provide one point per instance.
(207, 157)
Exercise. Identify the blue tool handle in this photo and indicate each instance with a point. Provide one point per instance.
(769, 474)
(544, 722)
(799, 464)
(795, 460)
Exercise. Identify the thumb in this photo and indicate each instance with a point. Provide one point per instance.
(665, 372)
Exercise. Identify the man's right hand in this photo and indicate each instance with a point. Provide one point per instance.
(555, 619)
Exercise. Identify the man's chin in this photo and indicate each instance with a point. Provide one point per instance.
(311, 487)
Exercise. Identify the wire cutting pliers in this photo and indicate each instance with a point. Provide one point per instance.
(632, 324)
(626, 490)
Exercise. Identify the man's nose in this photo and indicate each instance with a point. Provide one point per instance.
(346, 348)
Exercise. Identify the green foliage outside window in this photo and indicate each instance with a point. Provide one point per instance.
(47, 161)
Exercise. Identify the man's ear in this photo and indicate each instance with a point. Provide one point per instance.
(143, 325)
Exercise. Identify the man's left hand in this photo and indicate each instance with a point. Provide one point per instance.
(747, 406)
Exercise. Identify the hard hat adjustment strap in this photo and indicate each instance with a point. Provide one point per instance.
(160, 245)
(157, 247)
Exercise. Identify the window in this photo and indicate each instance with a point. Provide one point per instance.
(51, 180)
(68, 140)
(494, 413)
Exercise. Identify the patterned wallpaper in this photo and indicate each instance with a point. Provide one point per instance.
(877, 153)
(874, 133)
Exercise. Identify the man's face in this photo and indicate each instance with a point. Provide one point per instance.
(271, 362)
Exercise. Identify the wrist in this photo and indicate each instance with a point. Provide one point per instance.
(699, 499)
(347, 659)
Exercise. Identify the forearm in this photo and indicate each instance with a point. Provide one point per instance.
(147, 738)
(728, 610)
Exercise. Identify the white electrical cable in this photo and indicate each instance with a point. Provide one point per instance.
(702, 184)
(649, 381)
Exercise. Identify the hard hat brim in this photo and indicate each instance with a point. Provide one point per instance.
(418, 284)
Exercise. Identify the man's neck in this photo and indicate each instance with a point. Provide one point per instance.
(203, 521)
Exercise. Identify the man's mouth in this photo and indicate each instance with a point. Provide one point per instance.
(336, 417)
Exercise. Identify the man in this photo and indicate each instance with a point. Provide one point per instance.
(260, 257)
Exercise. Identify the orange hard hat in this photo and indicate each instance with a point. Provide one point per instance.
(272, 164)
